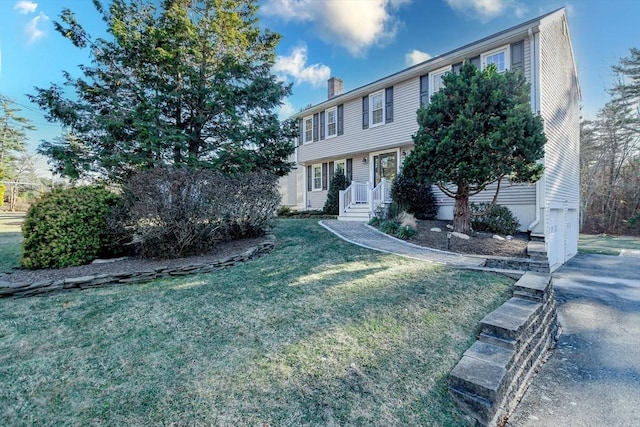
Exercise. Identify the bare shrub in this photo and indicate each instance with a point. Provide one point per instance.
(177, 212)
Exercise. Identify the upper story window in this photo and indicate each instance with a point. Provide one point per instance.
(377, 108)
(307, 122)
(435, 79)
(331, 122)
(500, 57)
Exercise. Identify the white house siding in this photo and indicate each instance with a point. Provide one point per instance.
(559, 99)
(406, 99)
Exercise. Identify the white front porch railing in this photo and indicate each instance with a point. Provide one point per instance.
(360, 193)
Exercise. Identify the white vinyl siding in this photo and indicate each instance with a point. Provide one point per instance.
(358, 140)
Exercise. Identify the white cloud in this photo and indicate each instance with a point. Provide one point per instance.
(32, 29)
(295, 66)
(286, 110)
(353, 24)
(485, 10)
(25, 6)
(415, 57)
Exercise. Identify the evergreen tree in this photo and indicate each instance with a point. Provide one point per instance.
(477, 130)
(332, 204)
(13, 137)
(183, 82)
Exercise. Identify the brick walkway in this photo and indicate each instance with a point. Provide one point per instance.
(363, 235)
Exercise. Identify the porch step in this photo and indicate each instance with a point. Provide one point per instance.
(355, 213)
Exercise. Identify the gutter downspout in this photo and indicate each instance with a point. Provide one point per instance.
(534, 107)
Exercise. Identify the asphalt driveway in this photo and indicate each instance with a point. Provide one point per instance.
(593, 376)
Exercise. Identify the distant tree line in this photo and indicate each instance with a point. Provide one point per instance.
(610, 157)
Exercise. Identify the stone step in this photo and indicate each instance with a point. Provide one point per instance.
(533, 286)
(509, 320)
(536, 250)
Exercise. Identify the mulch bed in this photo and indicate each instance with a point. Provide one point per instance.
(479, 243)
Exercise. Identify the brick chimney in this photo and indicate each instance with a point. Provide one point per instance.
(335, 87)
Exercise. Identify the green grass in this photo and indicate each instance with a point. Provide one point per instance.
(319, 332)
(606, 244)
(10, 240)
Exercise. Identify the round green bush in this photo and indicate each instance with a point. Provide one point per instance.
(68, 227)
(494, 218)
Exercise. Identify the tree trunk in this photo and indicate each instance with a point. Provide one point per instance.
(461, 212)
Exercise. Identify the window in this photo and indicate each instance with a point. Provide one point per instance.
(435, 77)
(377, 108)
(331, 122)
(308, 128)
(317, 178)
(339, 166)
(500, 57)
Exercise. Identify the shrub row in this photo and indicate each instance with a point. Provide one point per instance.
(169, 213)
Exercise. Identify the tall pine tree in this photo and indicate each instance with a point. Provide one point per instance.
(477, 130)
(187, 82)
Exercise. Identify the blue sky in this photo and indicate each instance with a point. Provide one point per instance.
(356, 40)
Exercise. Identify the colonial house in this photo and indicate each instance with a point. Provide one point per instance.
(367, 132)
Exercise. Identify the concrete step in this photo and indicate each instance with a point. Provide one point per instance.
(508, 321)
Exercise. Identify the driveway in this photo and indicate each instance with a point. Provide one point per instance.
(593, 376)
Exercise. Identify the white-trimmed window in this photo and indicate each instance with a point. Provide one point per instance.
(307, 123)
(316, 177)
(376, 108)
(331, 122)
(501, 57)
(435, 79)
(340, 166)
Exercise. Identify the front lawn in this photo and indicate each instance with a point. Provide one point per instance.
(319, 332)
(10, 240)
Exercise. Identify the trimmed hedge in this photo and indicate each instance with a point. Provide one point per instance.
(68, 227)
(494, 218)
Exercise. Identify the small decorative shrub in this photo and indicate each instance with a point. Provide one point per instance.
(407, 220)
(494, 218)
(405, 232)
(182, 211)
(2, 190)
(389, 227)
(69, 227)
(374, 221)
(339, 182)
(415, 197)
(284, 211)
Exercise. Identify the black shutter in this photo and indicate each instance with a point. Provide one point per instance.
(315, 127)
(365, 112)
(331, 172)
(340, 119)
(300, 135)
(476, 61)
(322, 125)
(517, 56)
(309, 177)
(388, 104)
(324, 176)
(424, 90)
(349, 170)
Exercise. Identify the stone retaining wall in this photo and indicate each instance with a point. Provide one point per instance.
(44, 287)
(495, 371)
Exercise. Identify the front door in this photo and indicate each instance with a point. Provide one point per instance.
(385, 166)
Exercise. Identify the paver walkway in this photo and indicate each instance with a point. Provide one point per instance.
(366, 236)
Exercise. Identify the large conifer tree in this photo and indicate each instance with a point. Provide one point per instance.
(185, 82)
(477, 130)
